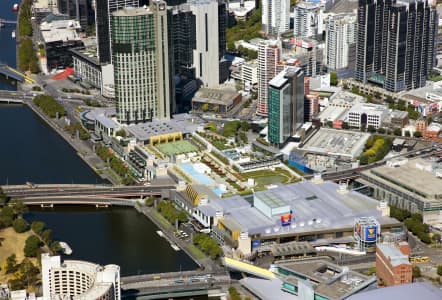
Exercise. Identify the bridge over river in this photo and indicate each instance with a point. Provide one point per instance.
(50, 194)
(174, 284)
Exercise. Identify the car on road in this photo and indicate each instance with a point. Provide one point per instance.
(179, 281)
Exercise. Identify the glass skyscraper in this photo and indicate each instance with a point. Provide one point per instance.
(141, 63)
(286, 105)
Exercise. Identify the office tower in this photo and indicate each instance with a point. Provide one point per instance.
(76, 279)
(307, 19)
(340, 36)
(182, 36)
(81, 10)
(141, 63)
(269, 56)
(198, 40)
(103, 12)
(395, 44)
(286, 105)
(206, 53)
(275, 16)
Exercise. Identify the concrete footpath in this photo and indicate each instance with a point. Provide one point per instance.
(204, 263)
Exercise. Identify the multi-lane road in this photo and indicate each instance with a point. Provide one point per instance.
(70, 191)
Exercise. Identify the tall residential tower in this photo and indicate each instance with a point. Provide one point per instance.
(275, 16)
(269, 56)
(395, 43)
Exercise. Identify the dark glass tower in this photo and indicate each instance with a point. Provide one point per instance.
(103, 12)
(395, 42)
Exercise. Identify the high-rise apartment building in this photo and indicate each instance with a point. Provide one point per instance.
(275, 16)
(307, 19)
(141, 63)
(340, 37)
(395, 43)
(286, 105)
(76, 279)
(269, 56)
(103, 12)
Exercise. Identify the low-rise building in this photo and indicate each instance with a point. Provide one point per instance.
(421, 125)
(392, 264)
(321, 280)
(219, 101)
(367, 114)
(303, 211)
(249, 73)
(412, 291)
(412, 184)
(398, 119)
(433, 133)
(59, 36)
(242, 10)
(88, 69)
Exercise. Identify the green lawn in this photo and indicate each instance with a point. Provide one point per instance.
(267, 177)
(161, 219)
(274, 179)
(196, 252)
(178, 147)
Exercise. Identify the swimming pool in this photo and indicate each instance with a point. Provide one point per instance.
(197, 176)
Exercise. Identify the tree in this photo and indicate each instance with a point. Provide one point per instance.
(397, 132)
(205, 107)
(231, 46)
(37, 227)
(416, 272)
(10, 264)
(149, 201)
(417, 134)
(20, 225)
(121, 133)
(29, 272)
(333, 78)
(345, 125)
(32, 246)
(381, 130)
(19, 207)
(439, 270)
(329, 124)
(407, 133)
(436, 237)
(371, 129)
(55, 247)
(46, 236)
(245, 126)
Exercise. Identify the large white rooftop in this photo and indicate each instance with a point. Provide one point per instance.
(314, 207)
(60, 30)
(337, 142)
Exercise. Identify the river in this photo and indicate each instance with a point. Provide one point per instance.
(7, 53)
(31, 151)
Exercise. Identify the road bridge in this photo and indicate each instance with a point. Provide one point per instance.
(174, 284)
(9, 100)
(3, 21)
(85, 194)
(6, 71)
